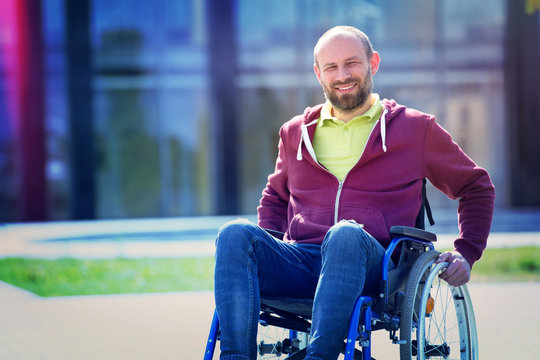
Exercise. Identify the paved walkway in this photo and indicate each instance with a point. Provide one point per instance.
(185, 248)
(171, 237)
(135, 327)
(174, 237)
(175, 326)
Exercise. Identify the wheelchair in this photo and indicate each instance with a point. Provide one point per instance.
(423, 315)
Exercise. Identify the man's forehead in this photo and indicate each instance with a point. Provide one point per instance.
(342, 42)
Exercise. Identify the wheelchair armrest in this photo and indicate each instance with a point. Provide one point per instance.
(413, 233)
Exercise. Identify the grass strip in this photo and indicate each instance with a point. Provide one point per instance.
(517, 264)
(64, 277)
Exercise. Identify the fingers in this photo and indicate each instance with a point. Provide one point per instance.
(444, 257)
(455, 274)
(458, 271)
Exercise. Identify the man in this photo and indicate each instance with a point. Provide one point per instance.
(346, 171)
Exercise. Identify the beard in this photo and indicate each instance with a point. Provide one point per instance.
(349, 102)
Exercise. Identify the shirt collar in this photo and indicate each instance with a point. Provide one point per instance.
(373, 113)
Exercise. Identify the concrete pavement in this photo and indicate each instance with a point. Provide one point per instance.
(175, 326)
(175, 237)
(171, 237)
(148, 326)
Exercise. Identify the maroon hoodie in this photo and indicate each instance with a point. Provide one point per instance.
(303, 199)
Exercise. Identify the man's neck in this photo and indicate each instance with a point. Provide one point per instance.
(347, 116)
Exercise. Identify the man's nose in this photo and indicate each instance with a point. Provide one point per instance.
(343, 73)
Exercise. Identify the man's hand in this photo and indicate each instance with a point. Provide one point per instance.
(458, 271)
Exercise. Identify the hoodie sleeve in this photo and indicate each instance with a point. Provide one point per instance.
(450, 170)
(272, 210)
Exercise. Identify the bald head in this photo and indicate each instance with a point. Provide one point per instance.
(342, 31)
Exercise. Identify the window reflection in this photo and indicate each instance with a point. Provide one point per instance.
(151, 122)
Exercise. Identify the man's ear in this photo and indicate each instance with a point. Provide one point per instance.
(375, 62)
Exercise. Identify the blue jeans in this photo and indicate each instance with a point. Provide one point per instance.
(251, 263)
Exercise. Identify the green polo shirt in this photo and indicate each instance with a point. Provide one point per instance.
(339, 145)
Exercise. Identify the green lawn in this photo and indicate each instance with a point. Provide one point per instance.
(508, 264)
(116, 276)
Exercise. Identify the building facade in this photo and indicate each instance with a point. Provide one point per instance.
(136, 108)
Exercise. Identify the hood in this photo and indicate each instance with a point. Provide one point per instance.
(311, 116)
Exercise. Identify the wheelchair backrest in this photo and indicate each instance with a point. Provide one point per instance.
(410, 251)
(397, 277)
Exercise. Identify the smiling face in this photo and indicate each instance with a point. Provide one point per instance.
(344, 71)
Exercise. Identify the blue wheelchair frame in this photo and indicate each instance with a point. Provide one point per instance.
(368, 310)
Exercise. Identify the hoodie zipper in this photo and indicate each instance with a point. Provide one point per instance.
(339, 190)
(338, 195)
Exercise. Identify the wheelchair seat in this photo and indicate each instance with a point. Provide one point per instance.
(302, 307)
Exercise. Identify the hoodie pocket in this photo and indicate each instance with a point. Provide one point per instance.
(372, 219)
(310, 226)
(313, 225)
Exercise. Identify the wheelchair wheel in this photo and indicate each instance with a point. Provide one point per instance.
(274, 342)
(437, 320)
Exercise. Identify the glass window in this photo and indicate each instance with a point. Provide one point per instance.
(150, 108)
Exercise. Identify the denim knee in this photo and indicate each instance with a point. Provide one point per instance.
(347, 235)
(232, 231)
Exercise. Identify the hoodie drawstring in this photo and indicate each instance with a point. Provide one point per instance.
(383, 129)
(307, 141)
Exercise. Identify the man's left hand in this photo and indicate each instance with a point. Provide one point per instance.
(458, 271)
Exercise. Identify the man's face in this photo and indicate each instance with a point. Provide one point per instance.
(344, 72)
